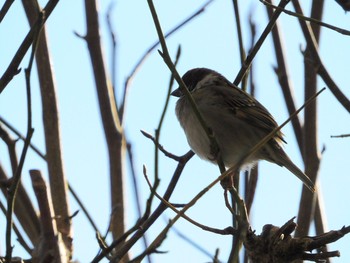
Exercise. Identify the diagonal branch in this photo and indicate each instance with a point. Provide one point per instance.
(120, 252)
(305, 18)
(254, 51)
(13, 68)
(5, 8)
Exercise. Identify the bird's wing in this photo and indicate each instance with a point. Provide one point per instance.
(245, 107)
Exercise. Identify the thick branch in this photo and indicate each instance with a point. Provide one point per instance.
(282, 74)
(58, 183)
(49, 248)
(110, 120)
(311, 152)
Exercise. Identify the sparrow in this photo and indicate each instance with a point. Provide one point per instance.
(237, 120)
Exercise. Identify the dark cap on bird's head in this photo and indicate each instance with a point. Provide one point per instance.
(191, 79)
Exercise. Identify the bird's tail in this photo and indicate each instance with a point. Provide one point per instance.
(286, 162)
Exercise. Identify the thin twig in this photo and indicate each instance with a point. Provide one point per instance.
(15, 131)
(251, 177)
(240, 40)
(193, 243)
(120, 252)
(82, 206)
(156, 142)
(23, 208)
(179, 214)
(17, 176)
(20, 238)
(254, 51)
(310, 19)
(42, 155)
(236, 179)
(243, 225)
(160, 147)
(113, 39)
(226, 231)
(159, 128)
(340, 136)
(13, 68)
(136, 192)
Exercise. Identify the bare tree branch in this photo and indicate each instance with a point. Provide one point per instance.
(58, 182)
(147, 223)
(13, 68)
(5, 8)
(311, 152)
(276, 245)
(152, 47)
(49, 248)
(318, 64)
(282, 74)
(12, 191)
(110, 119)
(310, 19)
(259, 43)
(23, 209)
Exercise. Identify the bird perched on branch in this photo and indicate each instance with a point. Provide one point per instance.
(237, 120)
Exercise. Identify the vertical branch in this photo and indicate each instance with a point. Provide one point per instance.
(12, 191)
(113, 40)
(158, 130)
(110, 119)
(236, 177)
(282, 74)
(240, 39)
(58, 183)
(311, 152)
(20, 238)
(251, 177)
(319, 215)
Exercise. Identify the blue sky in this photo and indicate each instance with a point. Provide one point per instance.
(208, 41)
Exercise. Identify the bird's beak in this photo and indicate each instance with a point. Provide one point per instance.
(176, 93)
